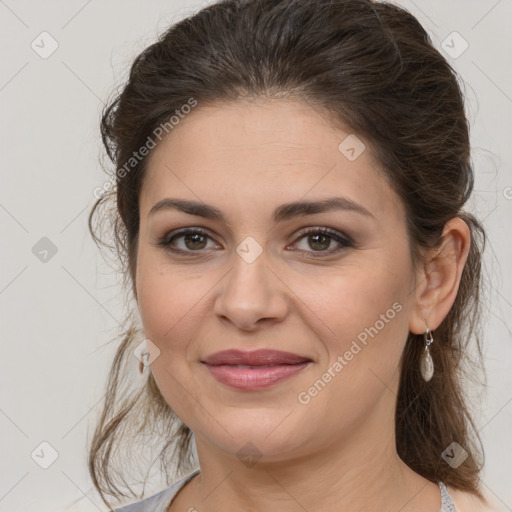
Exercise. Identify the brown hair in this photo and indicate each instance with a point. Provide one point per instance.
(369, 65)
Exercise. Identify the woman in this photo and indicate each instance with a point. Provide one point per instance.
(289, 191)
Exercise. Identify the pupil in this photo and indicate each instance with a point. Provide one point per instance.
(319, 239)
(195, 238)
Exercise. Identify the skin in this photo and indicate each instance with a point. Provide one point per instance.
(246, 159)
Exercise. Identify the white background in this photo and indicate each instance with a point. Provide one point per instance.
(58, 316)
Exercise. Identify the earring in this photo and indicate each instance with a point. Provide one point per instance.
(427, 363)
(143, 356)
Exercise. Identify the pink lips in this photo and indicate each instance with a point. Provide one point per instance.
(254, 370)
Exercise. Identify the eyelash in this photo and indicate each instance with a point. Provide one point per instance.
(343, 240)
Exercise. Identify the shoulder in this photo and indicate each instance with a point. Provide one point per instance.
(160, 501)
(156, 503)
(467, 502)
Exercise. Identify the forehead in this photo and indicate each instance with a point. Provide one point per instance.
(260, 152)
(276, 130)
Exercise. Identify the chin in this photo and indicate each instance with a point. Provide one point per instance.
(256, 435)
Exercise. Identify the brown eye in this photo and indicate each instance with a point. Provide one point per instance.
(321, 241)
(194, 241)
(186, 241)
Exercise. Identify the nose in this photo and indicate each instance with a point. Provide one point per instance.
(251, 295)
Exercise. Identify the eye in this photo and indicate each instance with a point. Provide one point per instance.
(321, 241)
(186, 240)
(314, 240)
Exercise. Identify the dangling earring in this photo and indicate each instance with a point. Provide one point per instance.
(143, 356)
(427, 363)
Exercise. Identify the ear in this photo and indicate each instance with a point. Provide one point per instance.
(438, 278)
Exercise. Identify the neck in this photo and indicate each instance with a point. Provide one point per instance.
(363, 472)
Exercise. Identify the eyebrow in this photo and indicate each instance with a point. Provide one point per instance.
(281, 213)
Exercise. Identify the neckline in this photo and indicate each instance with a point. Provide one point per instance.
(447, 504)
(178, 486)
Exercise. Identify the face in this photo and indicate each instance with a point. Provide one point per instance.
(331, 285)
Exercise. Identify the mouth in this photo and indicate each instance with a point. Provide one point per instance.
(254, 370)
(255, 358)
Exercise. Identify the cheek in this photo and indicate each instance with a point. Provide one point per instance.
(175, 304)
(364, 312)
(166, 298)
(363, 328)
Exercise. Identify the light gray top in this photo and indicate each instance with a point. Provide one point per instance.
(161, 501)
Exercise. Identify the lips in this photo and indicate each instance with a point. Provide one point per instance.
(254, 358)
(253, 371)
